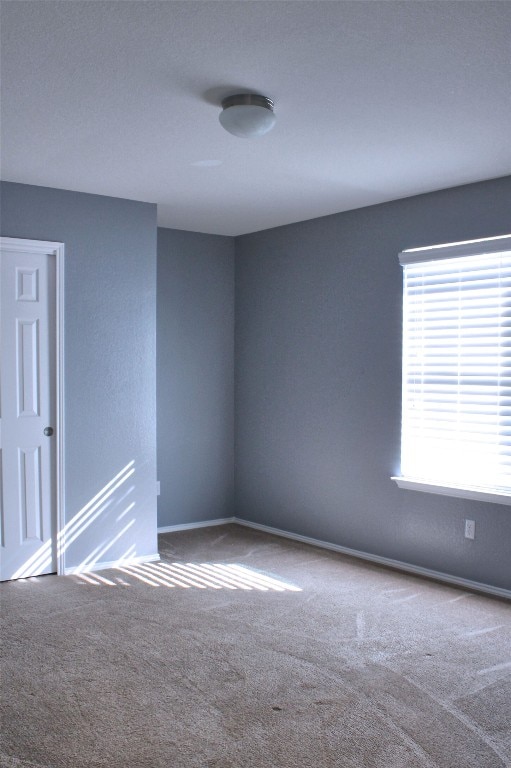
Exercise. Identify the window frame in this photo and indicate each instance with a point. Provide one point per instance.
(481, 247)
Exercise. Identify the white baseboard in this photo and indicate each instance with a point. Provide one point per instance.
(386, 561)
(103, 565)
(399, 565)
(202, 524)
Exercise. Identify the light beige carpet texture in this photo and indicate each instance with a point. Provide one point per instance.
(243, 650)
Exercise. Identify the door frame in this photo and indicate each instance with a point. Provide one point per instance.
(49, 248)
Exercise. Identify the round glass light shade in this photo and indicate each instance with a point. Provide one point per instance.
(247, 115)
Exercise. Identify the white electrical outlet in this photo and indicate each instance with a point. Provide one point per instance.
(470, 529)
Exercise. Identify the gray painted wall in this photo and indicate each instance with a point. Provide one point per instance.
(318, 383)
(195, 379)
(317, 375)
(110, 369)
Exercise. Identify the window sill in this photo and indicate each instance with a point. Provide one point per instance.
(497, 496)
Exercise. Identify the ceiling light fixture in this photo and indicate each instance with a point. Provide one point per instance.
(247, 115)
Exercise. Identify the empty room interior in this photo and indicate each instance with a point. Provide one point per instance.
(255, 389)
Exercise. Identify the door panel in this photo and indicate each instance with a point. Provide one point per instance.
(29, 494)
(27, 372)
(27, 402)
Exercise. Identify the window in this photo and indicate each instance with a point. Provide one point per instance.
(456, 418)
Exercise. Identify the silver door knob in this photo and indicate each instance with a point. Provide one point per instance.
(48, 431)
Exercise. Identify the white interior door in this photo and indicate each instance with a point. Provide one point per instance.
(28, 411)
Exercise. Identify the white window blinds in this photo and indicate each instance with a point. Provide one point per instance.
(456, 421)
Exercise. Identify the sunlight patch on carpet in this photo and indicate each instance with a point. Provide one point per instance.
(232, 576)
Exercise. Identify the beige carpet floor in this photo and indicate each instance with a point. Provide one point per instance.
(242, 650)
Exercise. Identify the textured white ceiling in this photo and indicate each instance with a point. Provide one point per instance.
(375, 101)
